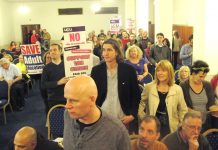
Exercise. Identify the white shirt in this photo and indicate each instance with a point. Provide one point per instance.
(10, 73)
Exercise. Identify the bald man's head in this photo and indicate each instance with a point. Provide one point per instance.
(25, 139)
(81, 94)
(82, 85)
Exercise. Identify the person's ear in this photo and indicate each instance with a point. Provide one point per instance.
(158, 136)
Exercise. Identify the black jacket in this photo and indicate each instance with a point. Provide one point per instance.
(128, 89)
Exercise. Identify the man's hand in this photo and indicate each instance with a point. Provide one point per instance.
(127, 119)
(193, 143)
(63, 80)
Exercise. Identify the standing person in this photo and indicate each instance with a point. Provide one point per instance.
(144, 40)
(117, 85)
(198, 93)
(177, 43)
(132, 41)
(186, 52)
(214, 84)
(139, 36)
(149, 133)
(53, 77)
(34, 37)
(134, 58)
(183, 74)
(86, 126)
(46, 60)
(187, 136)
(46, 38)
(164, 99)
(160, 51)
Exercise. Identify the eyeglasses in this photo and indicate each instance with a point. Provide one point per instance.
(204, 69)
(194, 127)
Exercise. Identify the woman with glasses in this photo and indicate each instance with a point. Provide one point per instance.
(198, 93)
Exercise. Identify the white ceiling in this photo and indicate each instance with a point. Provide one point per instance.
(45, 0)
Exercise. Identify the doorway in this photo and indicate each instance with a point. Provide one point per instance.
(27, 32)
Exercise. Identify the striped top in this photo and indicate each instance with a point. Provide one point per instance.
(199, 100)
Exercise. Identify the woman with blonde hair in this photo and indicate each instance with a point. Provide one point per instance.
(134, 57)
(163, 99)
(183, 74)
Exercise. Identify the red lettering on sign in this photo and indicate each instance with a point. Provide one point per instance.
(74, 37)
(30, 49)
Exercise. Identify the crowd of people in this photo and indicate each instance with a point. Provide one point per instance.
(103, 109)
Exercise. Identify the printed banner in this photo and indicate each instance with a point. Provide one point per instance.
(115, 25)
(130, 25)
(74, 35)
(32, 58)
(78, 60)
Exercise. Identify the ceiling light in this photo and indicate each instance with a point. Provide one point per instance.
(95, 7)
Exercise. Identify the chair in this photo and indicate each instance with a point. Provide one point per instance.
(176, 73)
(147, 79)
(212, 137)
(4, 98)
(55, 121)
(15, 61)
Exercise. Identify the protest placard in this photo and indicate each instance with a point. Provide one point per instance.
(78, 60)
(32, 58)
(115, 25)
(74, 35)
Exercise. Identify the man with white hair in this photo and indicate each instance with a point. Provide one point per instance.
(11, 73)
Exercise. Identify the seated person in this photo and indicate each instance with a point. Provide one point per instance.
(27, 138)
(212, 119)
(13, 76)
(22, 66)
(188, 136)
(149, 132)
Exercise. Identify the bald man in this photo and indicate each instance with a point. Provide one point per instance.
(86, 126)
(27, 138)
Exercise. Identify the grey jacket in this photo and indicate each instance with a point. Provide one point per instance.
(107, 133)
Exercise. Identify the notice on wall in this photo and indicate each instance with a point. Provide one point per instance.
(130, 25)
(74, 35)
(32, 58)
(78, 60)
(115, 25)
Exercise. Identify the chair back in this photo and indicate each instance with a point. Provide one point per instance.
(176, 73)
(212, 137)
(147, 79)
(15, 61)
(55, 120)
(4, 92)
(4, 98)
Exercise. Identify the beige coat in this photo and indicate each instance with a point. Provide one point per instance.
(175, 103)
